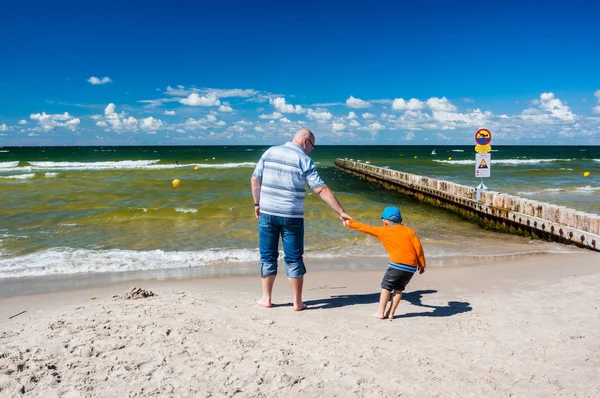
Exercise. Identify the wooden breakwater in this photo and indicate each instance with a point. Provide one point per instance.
(495, 211)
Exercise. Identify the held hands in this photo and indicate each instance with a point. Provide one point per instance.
(344, 217)
(421, 269)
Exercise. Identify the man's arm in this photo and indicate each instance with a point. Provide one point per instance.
(328, 197)
(420, 254)
(255, 183)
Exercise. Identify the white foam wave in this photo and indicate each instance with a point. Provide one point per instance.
(6, 165)
(587, 188)
(59, 261)
(121, 164)
(51, 175)
(458, 150)
(4, 151)
(184, 210)
(596, 160)
(19, 177)
(510, 162)
(126, 165)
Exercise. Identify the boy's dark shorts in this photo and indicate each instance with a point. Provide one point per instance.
(395, 279)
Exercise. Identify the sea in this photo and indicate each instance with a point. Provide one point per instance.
(107, 210)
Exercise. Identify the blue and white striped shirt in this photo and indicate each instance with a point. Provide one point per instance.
(284, 172)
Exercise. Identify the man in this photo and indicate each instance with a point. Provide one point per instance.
(279, 188)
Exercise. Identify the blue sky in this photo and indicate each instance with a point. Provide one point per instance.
(128, 73)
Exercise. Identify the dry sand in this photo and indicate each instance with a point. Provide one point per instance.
(526, 328)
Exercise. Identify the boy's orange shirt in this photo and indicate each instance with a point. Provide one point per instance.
(401, 242)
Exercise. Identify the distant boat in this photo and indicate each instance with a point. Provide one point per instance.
(433, 152)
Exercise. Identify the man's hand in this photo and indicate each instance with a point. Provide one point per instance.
(344, 216)
(257, 211)
(421, 269)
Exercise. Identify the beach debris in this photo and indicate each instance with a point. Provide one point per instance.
(16, 315)
(175, 183)
(135, 293)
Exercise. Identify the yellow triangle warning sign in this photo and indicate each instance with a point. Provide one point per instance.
(483, 164)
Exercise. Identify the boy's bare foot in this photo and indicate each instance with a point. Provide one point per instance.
(264, 302)
(300, 307)
(390, 317)
(379, 315)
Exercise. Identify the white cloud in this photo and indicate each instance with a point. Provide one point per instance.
(259, 129)
(351, 116)
(274, 115)
(119, 122)
(220, 123)
(281, 106)
(596, 109)
(3, 127)
(338, 126)
(440, 105)
(319, 115)
(196, 100)
(110, 109)
(550, 109)
(23, 121)
(413, 104)
(151, 123)
(367, 115)
(285, 120)
(375, 126)
(101, 124)
(225, 108)
(95, 80)
(211, 118)
(352, 102)
(50, 121)
(169, 113)
(409, 136)
(597, 95)
(354, 123)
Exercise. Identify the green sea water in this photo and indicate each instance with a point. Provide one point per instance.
(108, 209)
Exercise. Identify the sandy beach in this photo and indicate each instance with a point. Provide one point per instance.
(524, 328)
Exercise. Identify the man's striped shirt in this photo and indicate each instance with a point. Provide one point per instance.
(284, 172)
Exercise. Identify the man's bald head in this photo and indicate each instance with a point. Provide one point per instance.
(302, 134)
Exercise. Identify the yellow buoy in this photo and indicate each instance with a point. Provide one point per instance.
(449, 158)
(586, 174)
(415, 157)
(176, 183)
(214, 158)
(196, 168)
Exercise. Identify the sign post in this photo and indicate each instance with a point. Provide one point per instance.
(483, 158)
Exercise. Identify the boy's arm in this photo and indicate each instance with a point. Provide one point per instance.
(368, 229)
(420, 254)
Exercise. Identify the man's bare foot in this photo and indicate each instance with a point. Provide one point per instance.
(300, 307)
(264, 302)
(379, 315)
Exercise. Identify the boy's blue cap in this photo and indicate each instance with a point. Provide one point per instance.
(391, 213)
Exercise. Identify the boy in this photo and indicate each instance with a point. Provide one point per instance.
(406, 257)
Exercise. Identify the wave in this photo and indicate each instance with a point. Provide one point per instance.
(184, 210)
(596, 160)
(458, 150)
(7, 165)
(51, 175)
(19, 177)
(587, 188)
(4, 151)
(128, 165)
(509, 162)
(60, 261)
